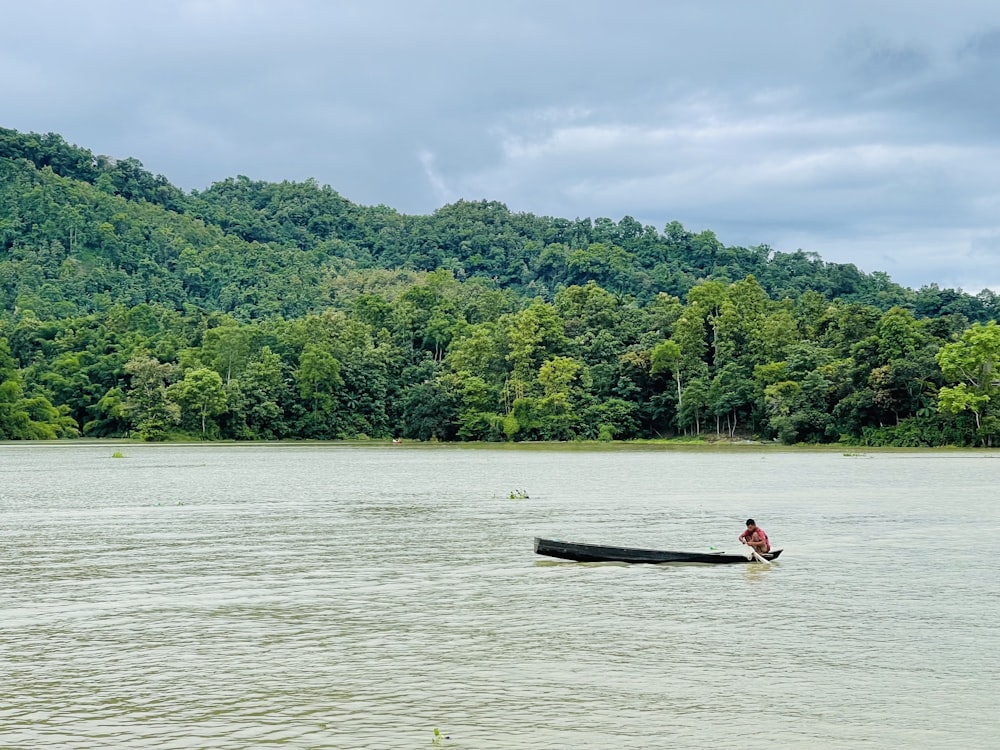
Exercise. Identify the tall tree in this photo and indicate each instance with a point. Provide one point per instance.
(200, 393)
(972, 363)
(150, 413)
(319, 379)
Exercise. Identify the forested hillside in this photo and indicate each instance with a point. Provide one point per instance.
(256, 310)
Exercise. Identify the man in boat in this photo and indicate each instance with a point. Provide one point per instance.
(756, 537)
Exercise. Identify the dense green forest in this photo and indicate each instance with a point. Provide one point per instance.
(256, 310)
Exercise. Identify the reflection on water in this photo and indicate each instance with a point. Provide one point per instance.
(344, 597)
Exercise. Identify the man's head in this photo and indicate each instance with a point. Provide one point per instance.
(751, 524)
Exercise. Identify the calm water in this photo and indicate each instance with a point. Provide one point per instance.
(359, 597)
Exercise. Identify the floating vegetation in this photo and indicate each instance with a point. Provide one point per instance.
(117, 454)
(518, 495)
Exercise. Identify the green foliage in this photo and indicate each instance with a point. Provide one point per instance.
(257, 310)
(24, 416)
(973, 364)
(150, 413)
(200, 394)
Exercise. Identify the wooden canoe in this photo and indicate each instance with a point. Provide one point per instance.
(579, 552)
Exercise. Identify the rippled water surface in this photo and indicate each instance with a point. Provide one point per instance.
(359, 597)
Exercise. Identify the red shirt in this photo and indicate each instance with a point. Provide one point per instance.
(757, 536)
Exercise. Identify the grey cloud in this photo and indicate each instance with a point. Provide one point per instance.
(851, 128)
(984, 46)
(873, 62)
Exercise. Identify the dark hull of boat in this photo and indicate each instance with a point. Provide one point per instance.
(599, 553)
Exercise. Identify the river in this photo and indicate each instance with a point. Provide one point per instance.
(362, 596)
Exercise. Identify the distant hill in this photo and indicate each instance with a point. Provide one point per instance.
(255, 310)
(79, 231)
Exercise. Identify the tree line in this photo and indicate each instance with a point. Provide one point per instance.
(283, 311)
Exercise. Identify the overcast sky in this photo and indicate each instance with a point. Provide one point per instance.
(866, 131)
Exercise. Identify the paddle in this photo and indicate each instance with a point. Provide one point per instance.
(753, 554)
